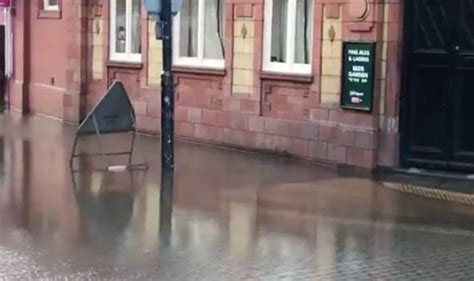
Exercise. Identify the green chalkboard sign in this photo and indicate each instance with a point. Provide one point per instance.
(358, 76)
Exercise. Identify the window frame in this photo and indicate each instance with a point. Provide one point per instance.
(127, 56)
(47, 6)
(290, 66)
(199, 61)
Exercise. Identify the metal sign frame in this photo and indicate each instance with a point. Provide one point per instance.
(97, 132)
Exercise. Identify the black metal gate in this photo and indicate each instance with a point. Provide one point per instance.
(438, 99)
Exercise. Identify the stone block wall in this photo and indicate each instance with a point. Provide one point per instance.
(155, 58)
(98, 61)
(49, 64)
(242, 105)
(300, 115)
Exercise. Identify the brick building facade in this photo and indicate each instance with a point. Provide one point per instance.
(244, 95)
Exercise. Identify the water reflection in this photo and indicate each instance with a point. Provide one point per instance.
(106, 205)
(15, 188)
(224, 212)
(166, 208)
(106, 211)
(116, 210)
(124, 211)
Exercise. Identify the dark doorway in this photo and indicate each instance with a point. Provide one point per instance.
(438, 103)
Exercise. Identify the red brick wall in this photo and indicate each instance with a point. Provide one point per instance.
(19, 96)
(283, 114)
(145, 98)
(280, 114)
(49, 58)
(2, 17)
(47, 61)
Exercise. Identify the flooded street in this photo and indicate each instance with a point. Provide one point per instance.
(230, 215)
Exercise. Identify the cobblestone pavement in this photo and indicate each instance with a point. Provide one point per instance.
(229, 216)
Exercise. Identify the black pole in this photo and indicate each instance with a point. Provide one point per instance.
(167, 91)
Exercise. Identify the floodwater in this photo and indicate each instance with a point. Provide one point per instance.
(229, 215)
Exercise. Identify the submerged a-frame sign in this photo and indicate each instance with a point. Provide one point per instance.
(112, 114)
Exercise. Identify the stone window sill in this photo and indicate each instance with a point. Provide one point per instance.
(43, 14)
(128, 65)
(200, 71)
(289, 77)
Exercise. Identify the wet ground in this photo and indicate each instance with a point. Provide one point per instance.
(229, 216)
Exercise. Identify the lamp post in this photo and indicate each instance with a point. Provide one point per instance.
(167, 88)
(162, 11)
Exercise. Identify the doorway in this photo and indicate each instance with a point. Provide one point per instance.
(438, 104)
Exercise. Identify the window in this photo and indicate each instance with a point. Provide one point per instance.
(199, 34)
(125, 39)
(50, 5)
(287, 36)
